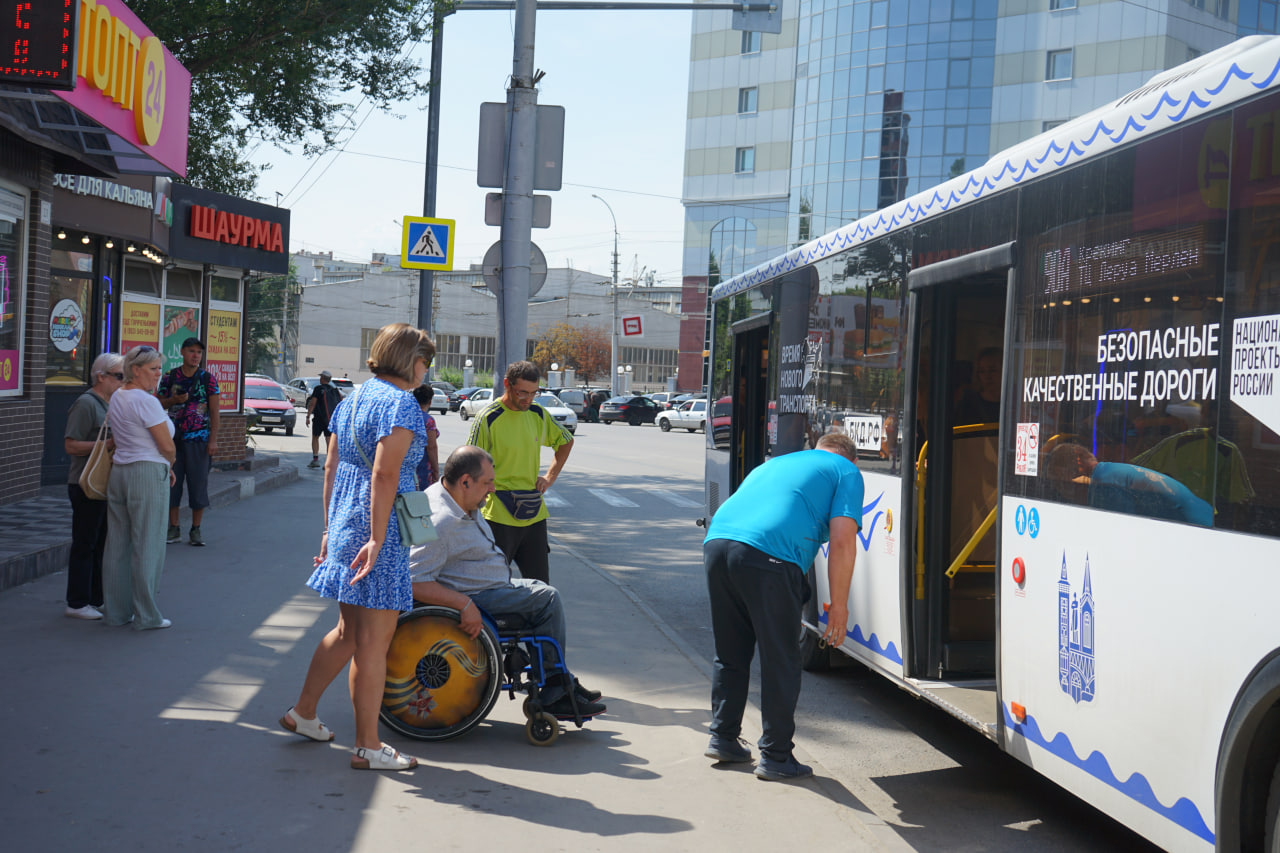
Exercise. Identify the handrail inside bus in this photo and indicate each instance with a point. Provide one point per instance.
(972, 543)
(920, 481)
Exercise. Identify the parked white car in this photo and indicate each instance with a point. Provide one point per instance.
(475, 404)
(555, 407)
(691, 415)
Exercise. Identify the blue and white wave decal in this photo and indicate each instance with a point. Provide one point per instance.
(889, 651)
(1183, 812)
(1020, 164)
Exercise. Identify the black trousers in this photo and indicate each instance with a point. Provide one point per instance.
(526, 547)
(756, 601)
(88, 539)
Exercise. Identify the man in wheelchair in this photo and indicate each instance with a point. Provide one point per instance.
(464, 569)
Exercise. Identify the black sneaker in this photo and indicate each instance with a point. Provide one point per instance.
(175, 534)
(729, 750)
(195, 537)
(562, 708)
(583, 694)
(780, 771)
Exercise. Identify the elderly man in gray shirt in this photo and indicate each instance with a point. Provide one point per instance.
(464, 569)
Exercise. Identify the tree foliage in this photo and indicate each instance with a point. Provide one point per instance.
(283, 71)
(265, 320)
(584, 348)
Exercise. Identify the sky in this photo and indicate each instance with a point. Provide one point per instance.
(622, 78)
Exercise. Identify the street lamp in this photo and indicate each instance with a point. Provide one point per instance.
(613, 351)
(553, 378)
(468, 374)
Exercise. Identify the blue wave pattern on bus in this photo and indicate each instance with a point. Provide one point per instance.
(911, 210)
(1183, 812)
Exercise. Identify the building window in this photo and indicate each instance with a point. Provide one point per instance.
(744, 160)
(1050, 125)
(1054, 5)
(448, 352)
(1058, 67)
(367, 337)
(750, 42)
(482, 352)
(748, 100)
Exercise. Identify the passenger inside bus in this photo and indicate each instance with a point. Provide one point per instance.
(981, 402)
(1080, 478)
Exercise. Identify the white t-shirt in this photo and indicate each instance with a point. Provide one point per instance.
(131, 414)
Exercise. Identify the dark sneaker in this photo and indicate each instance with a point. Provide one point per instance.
(175, 534)
(781, 771)
(732, 750)
(562, 708)
(195, 537)
(583, 694)
(315, 463)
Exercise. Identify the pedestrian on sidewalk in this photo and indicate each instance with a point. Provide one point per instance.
(141, 467)
(190, 393)
(378, 441)
(324, 399)
(464, 569)
(759, 545)
(429, 468)
(88, 517)
(514, 429)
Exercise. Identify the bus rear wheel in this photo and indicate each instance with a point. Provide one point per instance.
(1271, 839)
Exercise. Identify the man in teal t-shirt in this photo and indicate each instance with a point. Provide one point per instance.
(759, 545)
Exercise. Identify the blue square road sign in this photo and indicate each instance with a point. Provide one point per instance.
(427, 244)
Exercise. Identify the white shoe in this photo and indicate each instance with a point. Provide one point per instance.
(87, 612)
(164, 623)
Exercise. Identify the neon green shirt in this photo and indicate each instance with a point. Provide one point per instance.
(515, 441)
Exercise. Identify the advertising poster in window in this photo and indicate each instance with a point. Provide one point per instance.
(12, 213)
(180, 322)
(223, 357)
(139, 325)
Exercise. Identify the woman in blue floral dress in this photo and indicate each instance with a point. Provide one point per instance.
(362, 563)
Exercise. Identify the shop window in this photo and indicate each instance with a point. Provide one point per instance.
(183, 284)
(70, 318)
(224, 289)
(13, 209)
(142, 277)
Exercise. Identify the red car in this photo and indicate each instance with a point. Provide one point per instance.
(267, 406)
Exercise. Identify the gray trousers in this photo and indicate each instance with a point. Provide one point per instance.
(755, 601)
(137, 518)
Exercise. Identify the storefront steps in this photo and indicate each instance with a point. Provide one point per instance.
(35, 534)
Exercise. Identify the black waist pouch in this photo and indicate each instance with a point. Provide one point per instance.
(523, 505)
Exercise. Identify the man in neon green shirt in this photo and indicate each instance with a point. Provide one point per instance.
(514, 429)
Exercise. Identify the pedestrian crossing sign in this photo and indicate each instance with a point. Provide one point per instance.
(427, 244)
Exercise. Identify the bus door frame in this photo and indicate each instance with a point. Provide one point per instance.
(922, 620)
(749, 415)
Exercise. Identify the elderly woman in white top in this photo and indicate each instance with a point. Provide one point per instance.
(88, 517)
(137, 495)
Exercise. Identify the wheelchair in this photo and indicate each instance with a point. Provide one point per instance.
(442, 683)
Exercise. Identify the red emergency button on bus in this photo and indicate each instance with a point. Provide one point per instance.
(1019, 571)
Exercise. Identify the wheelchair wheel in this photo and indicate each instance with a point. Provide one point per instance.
(542, 729)
(528, 707)
(440, 682)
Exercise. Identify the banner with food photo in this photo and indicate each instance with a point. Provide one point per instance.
(180, 322)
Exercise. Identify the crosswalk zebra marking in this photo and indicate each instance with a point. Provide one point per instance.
(612, 498)
(554, 500)
(678, 500)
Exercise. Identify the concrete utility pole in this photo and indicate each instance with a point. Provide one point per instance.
(613, 349)
(517, 197)
(426, 278)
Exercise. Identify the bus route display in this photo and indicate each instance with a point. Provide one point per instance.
(38, 43)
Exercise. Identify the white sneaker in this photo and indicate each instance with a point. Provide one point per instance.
(87, 612)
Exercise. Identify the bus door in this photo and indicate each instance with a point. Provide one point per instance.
(960, 308)
(750, 411)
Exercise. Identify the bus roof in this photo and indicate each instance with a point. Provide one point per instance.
(1231, 73)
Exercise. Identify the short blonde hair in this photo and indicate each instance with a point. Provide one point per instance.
(140, 356)
(396, 348)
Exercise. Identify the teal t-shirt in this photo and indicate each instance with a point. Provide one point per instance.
(784, 507)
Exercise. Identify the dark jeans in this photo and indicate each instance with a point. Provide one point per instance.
(88, 539)
(192, 466)
(756, 600)
(526, 547)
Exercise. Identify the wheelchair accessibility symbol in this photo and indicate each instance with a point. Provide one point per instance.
(1027, 522)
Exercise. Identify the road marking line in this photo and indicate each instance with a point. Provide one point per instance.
(555, 500)
(612, 498)
(678, 500)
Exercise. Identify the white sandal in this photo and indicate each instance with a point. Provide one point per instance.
(314, 729)
(381, 759)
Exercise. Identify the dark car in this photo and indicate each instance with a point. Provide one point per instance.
(635, 409)
(456, 398)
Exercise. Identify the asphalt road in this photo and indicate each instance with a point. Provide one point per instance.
(628, 501)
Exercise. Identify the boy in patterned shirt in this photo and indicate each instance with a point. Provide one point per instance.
(190, 393)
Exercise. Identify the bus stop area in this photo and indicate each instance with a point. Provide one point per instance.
(169, 739)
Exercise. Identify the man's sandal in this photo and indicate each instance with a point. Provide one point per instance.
(385, 758)
(313, 729)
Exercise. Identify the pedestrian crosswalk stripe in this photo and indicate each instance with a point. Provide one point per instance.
(554, 500)
(612, 498)
(678, 500)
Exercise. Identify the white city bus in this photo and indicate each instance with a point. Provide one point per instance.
(1084, 565)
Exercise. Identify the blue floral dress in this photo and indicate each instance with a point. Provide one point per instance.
(368, 416)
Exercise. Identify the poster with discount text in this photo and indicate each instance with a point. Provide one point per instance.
(223, 357)
(139, 325)
(180, 322)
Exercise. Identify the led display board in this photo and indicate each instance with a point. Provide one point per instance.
(38, 43)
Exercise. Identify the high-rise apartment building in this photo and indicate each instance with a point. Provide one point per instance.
(857, 104)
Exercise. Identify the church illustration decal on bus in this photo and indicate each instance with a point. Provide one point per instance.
(1075, 636)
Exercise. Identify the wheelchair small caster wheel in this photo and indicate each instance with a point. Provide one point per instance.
(542, 729)
(528, 708)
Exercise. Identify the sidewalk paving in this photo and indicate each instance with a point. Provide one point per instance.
(168, 740)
